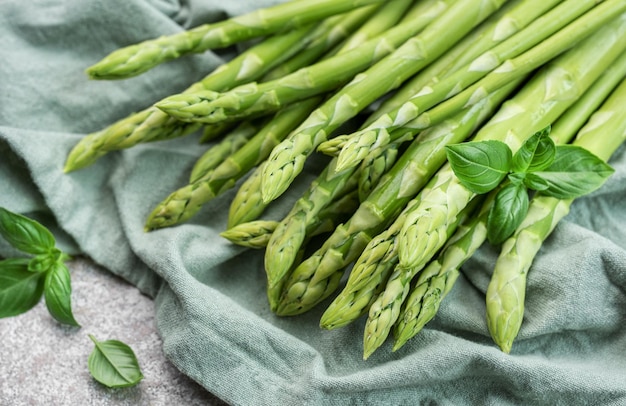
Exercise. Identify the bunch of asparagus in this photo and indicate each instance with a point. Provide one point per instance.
(417, 76)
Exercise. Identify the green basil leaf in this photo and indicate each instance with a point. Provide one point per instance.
(20, 290)
(25, 234)
(517, 177)
(574, 172)
(536, 154)
(507, 212)
(480, 165)
(113, 364)
(535, 182)
(58, 294)
(43, 262)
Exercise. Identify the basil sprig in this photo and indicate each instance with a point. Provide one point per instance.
(23, 281)
(114, 364)
(560, 171)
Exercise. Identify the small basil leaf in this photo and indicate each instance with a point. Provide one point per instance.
(480, 165)
(43, 262)
(535, 182)
(58, 294)
(25, 234)
(517, 177)
(507, 212)
(574, 172)
(114, 364)
(536, 154)
(20, 290)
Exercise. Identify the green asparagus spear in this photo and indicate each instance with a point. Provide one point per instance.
(538, 104)
(547, 30)
(287, 159)
(532, 59)
(260, 98)
(384, 310)
(436, 280)
(247, 204)
(257, 233)
(374, 166)
(602, 135)
(340, 35)
(216, 154)
(319, 275)
(185, 202)
(288, 237)
(368, 276)
(438, 68)
(253, 234)
(152, 124)
(135, 59)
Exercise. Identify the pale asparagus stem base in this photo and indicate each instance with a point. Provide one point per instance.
(318, 276)
(287, 159)
(548, 94)
(138, 58)
(152, 124)
(520, 59)
(603, 133)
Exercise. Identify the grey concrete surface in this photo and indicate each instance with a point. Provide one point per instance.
(45, 363)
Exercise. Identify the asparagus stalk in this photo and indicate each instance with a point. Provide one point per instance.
(435, 280)
(374, 167)
(151, 124)
(260, 98)
(384, 310)
(322, 219)
(247, 205)
(368, 276)
(538, 104)
(437, 69)
(602, 135)
(319, 275)
(185, 202)
(287, 159)
(253, 234)
(379, 19)
(386, 16)
(257, 233)
(534, 58)
(135, 59)
(288, 237)
(548, 31)
(217, 153)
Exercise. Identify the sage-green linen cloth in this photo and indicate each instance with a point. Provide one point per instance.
(210, 295)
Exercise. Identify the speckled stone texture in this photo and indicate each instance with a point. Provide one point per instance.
(45, 363)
